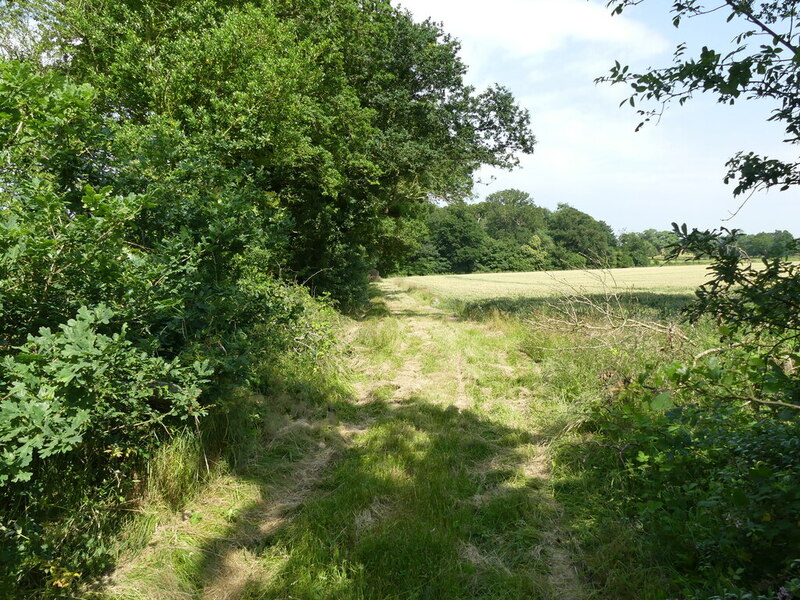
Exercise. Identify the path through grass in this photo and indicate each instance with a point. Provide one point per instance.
(431, 483)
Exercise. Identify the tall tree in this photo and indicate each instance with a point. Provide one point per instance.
(511, 215)
(582, 238)
(345, 115)
(770, 245)
(636, 249)
(458, 238)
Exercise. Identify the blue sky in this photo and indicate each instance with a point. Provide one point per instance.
(548, 52)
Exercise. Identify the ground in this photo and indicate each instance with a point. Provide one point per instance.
(432, 481)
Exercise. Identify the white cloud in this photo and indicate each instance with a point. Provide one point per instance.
(524, 28)
(548, 52)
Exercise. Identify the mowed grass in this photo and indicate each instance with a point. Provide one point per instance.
(668, 279)
(440, 471)
(429, 481)
(589, 335)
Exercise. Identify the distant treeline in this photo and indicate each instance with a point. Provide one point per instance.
(509, 232)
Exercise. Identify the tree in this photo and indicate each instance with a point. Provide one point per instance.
(768, 245)
(165, 168)
(764, 64)
(511, 215)
(505, 232)
(458, 238)
(638, 248)
(342, 116)
(750, 384)
(660, 239)
(580, 237)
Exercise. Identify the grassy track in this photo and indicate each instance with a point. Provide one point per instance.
(431, 481)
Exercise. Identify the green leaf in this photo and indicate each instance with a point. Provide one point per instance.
(662, 402)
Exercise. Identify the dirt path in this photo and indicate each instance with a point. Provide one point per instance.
(435, 484)
(457, 363)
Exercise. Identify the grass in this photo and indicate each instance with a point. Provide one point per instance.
(592, 347)
(452, 462)
(396, 518)
(429, 481)
(583, 362)
(665, 280)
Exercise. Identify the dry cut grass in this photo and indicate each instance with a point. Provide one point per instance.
(669, 279)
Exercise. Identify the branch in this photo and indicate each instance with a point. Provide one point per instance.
(740, 8)
(774, 403)
(715, 351)
(741, 206)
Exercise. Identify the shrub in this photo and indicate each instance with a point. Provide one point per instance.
(704, 452)
(79, 408)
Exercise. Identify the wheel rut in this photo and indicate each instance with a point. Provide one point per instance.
(441, 418)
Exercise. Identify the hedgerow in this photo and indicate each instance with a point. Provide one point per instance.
(176, 180)
(703, 451)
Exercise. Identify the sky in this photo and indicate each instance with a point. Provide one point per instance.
(588, 154)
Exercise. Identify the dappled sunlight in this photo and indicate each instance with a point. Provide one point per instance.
(426, 482)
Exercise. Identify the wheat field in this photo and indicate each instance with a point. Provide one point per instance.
(667, 279)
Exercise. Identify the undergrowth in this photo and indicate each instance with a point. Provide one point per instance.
(390, 492)
(132, 437)
(675, 480)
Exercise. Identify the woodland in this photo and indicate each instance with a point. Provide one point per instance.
(508, 232)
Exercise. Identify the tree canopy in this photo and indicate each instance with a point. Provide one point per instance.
(508, 232)
(343, 117)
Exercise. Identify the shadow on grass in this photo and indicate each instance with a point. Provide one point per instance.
(378, 308)
(427, 503)
(620, 560)
(377, 500)
(657, 306)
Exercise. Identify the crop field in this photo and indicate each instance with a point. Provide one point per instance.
(676, 280)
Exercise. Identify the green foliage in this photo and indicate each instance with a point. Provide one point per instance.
(511, 215)
(704, 450)
(768, 245)
(638, 248)
(167, 172)
(661, 240)
(83, 398)
(714, 482)
(458, 238)
(63, 386)
(762, 64)
(508, 232)
(341, 117)
(757, 309)
(707, 446)
(582, 239)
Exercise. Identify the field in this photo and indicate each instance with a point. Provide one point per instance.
(671, 280)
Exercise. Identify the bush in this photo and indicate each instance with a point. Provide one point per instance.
(705, 452)
(79, 409)
(121, 315)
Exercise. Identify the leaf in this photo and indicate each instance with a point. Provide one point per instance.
(662, 402)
